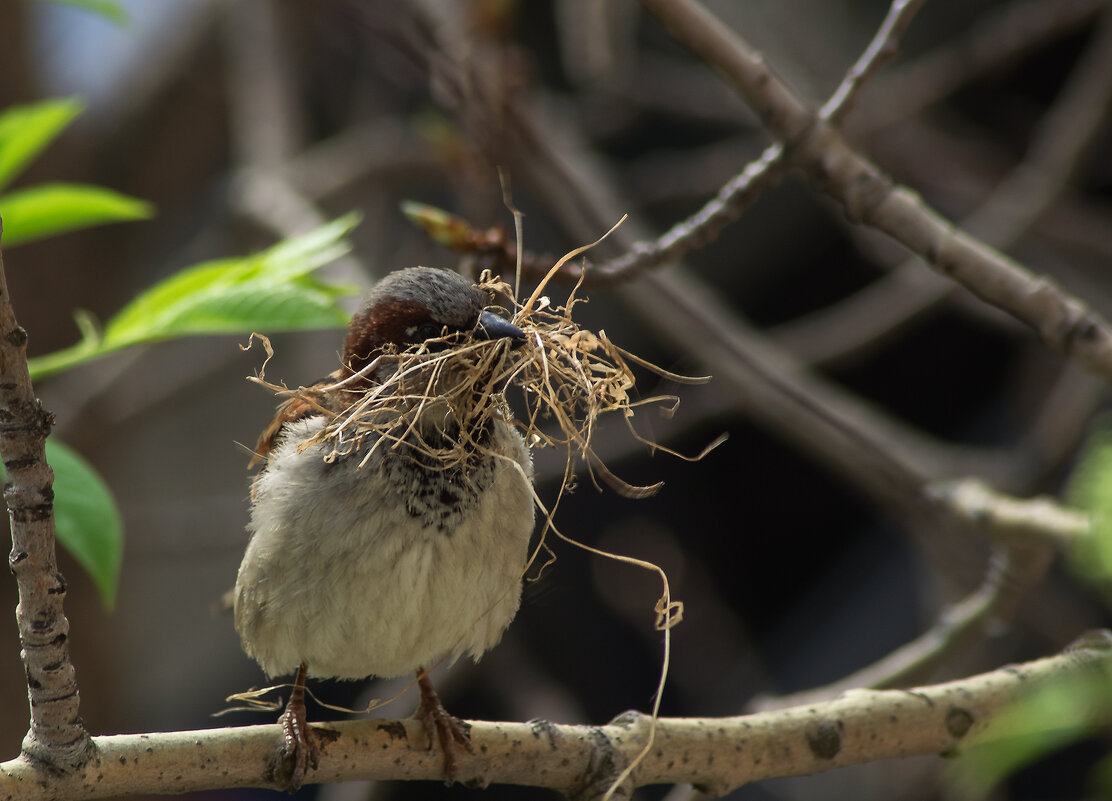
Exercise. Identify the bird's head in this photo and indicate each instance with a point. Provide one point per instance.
(417, 304)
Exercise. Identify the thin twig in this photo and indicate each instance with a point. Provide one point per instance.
(881, 50)
(57, 736)
(741, 191)
(699, 229)
(1035, 522)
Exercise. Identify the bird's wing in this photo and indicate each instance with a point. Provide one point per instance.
(304, 404)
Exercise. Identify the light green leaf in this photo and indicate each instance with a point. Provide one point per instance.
(47, 209)
(301, 255)
(105, 8)
(268, 290)
(232, 310)
(26, 130)
(86, 520)
(271, 291)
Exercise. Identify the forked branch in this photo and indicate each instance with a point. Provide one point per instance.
(872, 197)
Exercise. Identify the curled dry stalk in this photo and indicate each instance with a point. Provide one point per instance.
(439, 396)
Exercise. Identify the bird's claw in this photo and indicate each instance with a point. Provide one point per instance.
(299, 750)
(451, 732)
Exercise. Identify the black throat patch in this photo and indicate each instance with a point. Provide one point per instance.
(440, 497)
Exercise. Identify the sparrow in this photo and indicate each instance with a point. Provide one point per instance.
(380, 561)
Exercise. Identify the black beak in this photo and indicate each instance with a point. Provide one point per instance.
(491, 326)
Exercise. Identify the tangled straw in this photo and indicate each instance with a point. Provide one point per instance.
(445, 390)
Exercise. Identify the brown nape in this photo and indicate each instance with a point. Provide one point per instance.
(384, 323)
(293, 409)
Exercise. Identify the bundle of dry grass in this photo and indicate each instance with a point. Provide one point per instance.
(567, 377)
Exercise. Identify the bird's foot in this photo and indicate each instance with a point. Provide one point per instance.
(299, 750)
(452, 732)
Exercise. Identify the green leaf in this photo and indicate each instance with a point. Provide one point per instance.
(47, 209)
(1090, 489)
(26, 130)
(270, 291)
(106, 8)
(86, 520)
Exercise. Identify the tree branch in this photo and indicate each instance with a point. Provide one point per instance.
(1034, 522)
(1064, 135)
(56, 736)
(874, 198)
(716, 754)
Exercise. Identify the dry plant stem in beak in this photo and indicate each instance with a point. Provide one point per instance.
(567, 376)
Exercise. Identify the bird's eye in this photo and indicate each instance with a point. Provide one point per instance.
(429, 330)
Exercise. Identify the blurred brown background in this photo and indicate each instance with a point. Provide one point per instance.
(245, 121)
